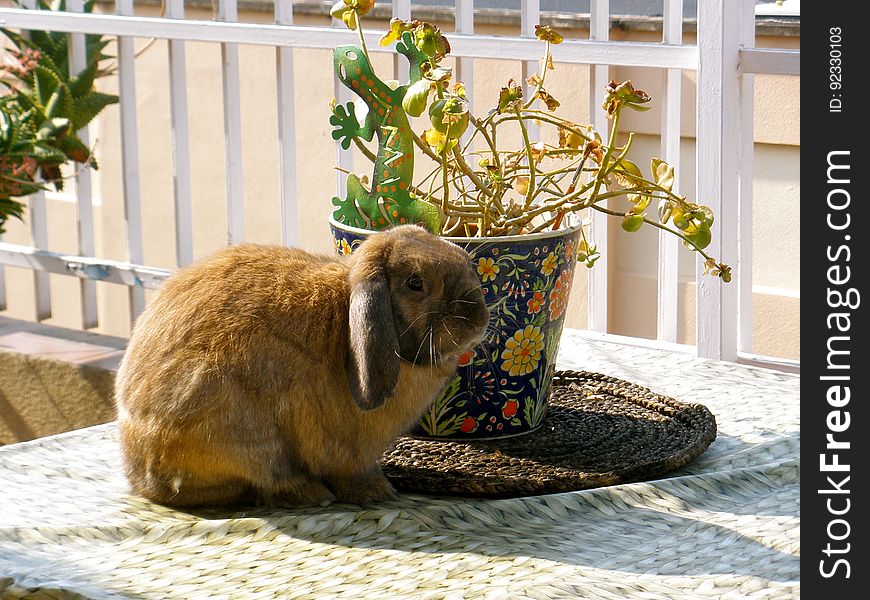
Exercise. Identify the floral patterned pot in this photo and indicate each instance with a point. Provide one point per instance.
(500, 389)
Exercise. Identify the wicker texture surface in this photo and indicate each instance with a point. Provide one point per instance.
(724, 525)
(599, 430)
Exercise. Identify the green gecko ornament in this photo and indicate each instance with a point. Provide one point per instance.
(390, 200)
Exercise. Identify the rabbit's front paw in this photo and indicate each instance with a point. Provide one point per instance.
(366, 489)
(300, 492)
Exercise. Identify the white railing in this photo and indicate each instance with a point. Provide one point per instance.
(724, 58)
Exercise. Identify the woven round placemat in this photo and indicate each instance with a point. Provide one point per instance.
(599, 430)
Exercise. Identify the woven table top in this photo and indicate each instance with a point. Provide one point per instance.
(725, 525)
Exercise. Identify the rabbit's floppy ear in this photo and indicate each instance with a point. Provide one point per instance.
(373, 355)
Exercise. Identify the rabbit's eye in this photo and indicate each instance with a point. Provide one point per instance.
(414, 283)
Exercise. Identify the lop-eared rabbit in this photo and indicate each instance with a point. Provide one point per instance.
(269, 375)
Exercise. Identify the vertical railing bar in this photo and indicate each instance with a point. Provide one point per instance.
(286, 132)
(530, 15)
(668, 245)
(130, 157)
(39, 235)
(180, 142)
(599, 29)
(746, 159)
(716, 147)
(228, 11)
(84, 189)
(401, 68)
(343, 158)
(465, 66)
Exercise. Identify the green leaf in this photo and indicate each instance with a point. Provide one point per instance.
(701, 238)
(87, 107)
(705, 215)
(75, 149)
(510, 97)
(640, 201)
(417, 97)
(449, 116)
(60, 104)
(627, 167)
(439, 74)
(16, 38)
(430, 41)
(45, 82)
(52, 128)
(83, 83)
(45, 153)
(53, 46)
(9, 208)
(632, 222)
(27, 103)
(683, 223)
(9, 130)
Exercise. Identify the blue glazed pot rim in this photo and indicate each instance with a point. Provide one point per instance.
(477, 240)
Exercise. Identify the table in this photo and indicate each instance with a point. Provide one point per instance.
(724, 526)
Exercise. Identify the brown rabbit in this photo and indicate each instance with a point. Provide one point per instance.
(268, 374)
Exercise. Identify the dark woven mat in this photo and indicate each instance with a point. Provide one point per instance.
(598, 431)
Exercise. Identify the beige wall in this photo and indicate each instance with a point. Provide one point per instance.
(632, 257)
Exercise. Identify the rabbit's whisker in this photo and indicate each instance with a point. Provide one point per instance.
(431, 349)
(419, 349)
(452, 339)
(411, 324)
(470, 290)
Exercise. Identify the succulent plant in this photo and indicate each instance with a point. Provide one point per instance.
(497, 188)
(42, 108)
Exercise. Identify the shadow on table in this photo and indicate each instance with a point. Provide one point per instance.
(596, 468)
(668, 532)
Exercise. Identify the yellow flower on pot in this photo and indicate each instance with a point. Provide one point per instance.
(487, 269)
(523, 351)
(549, 264)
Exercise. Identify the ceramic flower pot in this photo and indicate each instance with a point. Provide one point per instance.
(500, 388)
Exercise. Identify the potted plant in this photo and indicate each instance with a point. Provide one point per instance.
(42, 106)
(514, 208)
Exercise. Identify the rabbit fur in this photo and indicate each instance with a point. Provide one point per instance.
(266, 374)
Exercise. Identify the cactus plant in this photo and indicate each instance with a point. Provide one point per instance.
(41, 109)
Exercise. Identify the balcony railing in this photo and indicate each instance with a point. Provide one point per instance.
(724, 61)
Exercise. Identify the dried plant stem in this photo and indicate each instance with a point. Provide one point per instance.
(602, 169)
(466, 170)
(445, 173)
(530, 191)
(362, 38)
(661, 226)
(544, 117)
(541, 76)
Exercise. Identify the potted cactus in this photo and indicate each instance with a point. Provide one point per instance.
(516, 209)
(42, 105)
